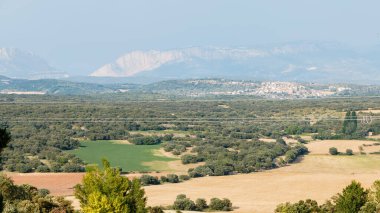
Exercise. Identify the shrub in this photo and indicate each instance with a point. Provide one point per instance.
(155, 209)
(201, 204)
(184, 177)
(172, 178)
(23, 168)
(184, 203)
(349, 152)
(42, 168)
(220, 205)
(163, 179)
(333, 151)
(176, 152)
(70, 167)
(150, 140)
(149, 180)
(302, 206)
(186, 159)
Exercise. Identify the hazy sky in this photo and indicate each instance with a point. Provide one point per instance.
(81, 35)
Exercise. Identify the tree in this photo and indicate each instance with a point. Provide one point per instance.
(26, 198)
(333, 151)
(184, 203)
(308, 206)
(107, 191)
(350, 123)
(220, 205)
(5, 137)
(349, 152)
(149, 180)
(353, 197)
(373, 204)
(201, 204)
(155, 209)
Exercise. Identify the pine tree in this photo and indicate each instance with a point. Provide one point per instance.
(354, 120)
(353, 197)
(346, 122)
(350, 123)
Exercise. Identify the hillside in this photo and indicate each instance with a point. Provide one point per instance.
(50, 86)
(192, 88)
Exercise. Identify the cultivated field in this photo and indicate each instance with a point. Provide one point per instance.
(317, 176)
(121, 154)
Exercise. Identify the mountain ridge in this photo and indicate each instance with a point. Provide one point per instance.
(305, 61)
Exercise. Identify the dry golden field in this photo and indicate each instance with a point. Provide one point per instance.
(317, 176)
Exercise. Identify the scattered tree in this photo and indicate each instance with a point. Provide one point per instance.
(107, 191)
(349, 152)
(333, 151)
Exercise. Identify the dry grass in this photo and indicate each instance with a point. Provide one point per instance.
(322, 147)
(317, 176)
(374, 111)
(267, 140)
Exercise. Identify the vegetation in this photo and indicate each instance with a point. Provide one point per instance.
(26, 198)
(353, 199)
(349, 152)
(333, 151)
(216, 204)
(47, 130)
(5, 137)
(105, 190)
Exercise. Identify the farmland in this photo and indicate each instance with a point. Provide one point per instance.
(126, 156)
(317, 176)
(243, 150)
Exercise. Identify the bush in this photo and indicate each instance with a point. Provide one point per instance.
(220, 205)
(176, 152)
(172, 178)
(149, 180)
(184, 177)
(163, 179)
(301, 206)
(186, 159)
(70, 167)
(155, 209)
(150, 140)
(23, 168)
(201, 204)
(184, 203)
(333, 151)
(43, 168)
(349, 152)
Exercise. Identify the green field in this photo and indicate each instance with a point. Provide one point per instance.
(128, 157)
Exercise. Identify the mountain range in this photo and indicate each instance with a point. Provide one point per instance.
(319, 62)
(306, 62)
(18, 63)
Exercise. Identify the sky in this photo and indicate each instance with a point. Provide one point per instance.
(82, 35)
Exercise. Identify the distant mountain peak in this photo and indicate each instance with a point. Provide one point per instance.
(17, 63)
(298, 61)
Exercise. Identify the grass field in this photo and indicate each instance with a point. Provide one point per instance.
(126, 156)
